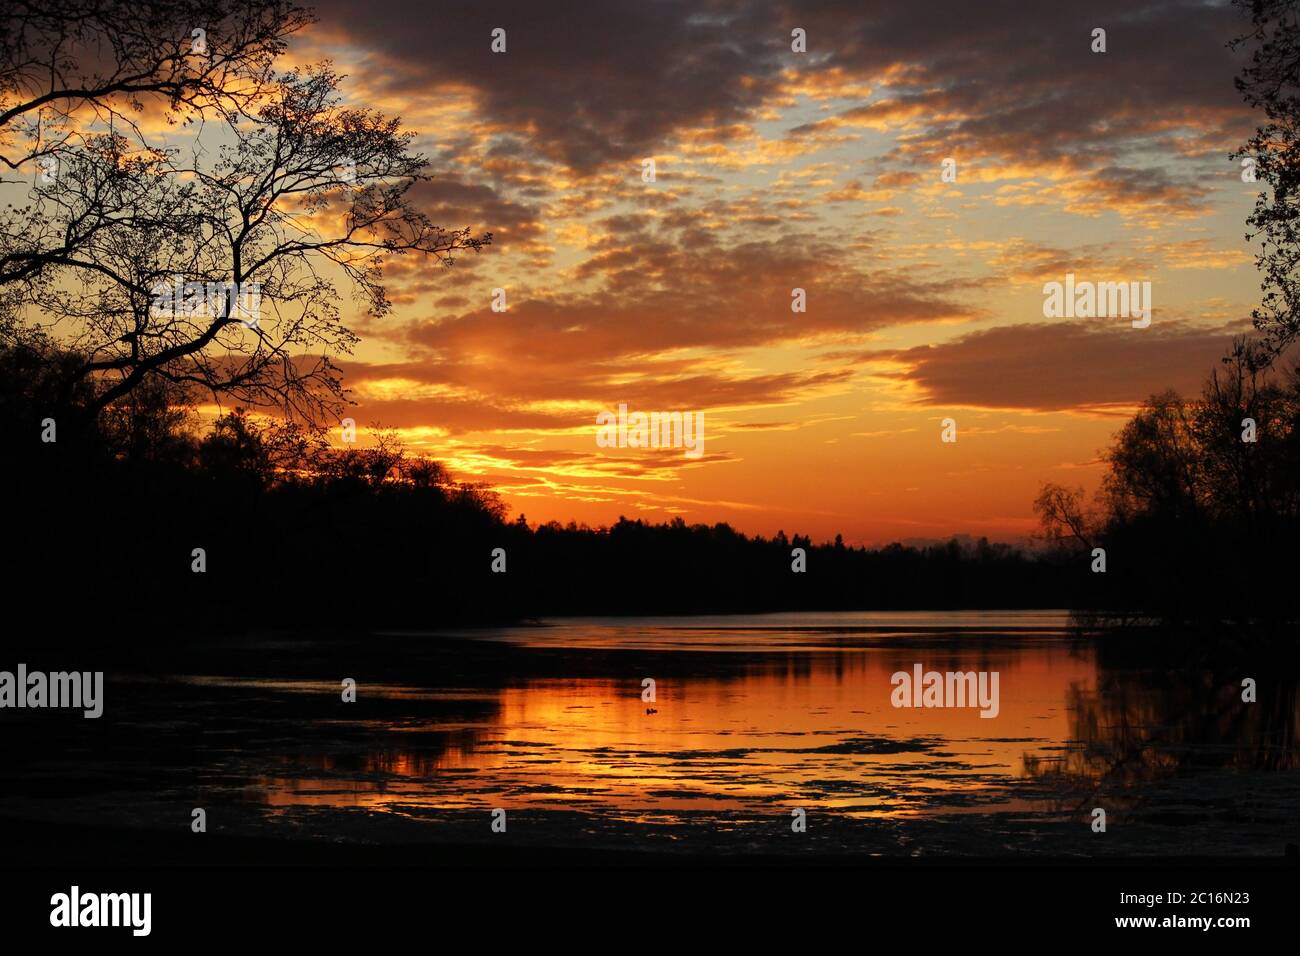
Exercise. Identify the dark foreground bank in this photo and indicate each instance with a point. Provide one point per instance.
(231, 893)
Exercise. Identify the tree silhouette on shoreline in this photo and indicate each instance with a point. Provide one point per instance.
(1199, 510)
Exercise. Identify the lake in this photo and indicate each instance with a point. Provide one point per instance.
(757, 721)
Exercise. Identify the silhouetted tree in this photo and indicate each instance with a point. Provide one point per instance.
(210, 266)
(71, 70)
(1199, 508)
(1271, 83)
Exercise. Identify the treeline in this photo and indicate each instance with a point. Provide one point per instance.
(636, 567)
(138, 517)
(105, 521)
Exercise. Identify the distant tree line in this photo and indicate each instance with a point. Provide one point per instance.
(103, 523)
(1196, 520)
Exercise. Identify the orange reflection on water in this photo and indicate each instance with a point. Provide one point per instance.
(810, 728)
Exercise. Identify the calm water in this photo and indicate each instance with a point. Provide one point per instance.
(754, 716)
(802, 716)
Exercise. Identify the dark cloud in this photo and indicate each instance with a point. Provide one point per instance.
(1022, 78)
(456, 204)
(655, 299)
(587, 83)
(1064, 365)
(593, 83)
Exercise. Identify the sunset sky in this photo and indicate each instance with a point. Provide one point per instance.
(821, 171)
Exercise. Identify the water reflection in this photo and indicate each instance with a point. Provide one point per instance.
(754, 717)
(1143, 725)
(797, 717)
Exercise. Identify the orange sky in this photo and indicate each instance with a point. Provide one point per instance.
(821, 171)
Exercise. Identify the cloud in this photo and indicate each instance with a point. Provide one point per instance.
(588, 85)
(1094, 367)
(585, 83)
(459, 397)
(455, 204)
